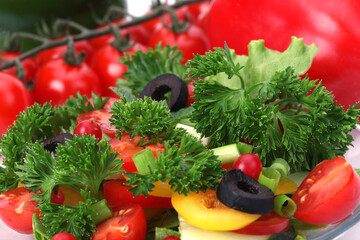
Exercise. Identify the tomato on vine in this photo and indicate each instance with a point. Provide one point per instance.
(30, 65)
(14, 97)
(189, 39)
(105, 63)
(59, 79)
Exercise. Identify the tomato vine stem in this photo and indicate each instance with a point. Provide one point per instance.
(86, 33)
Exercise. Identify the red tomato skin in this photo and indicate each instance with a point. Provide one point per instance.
(15, 98)
(328, 24)
(117, 194)
(101, 117)
(57, 81)
(249, 163)
(171, 238)
(89, 127)
(191, 98)
(267, 224)
(105, 63)
(127, 147)
(30, 65)
(328, 194)
(192, 41)
(58, 52)
(63, 236)
(57, 198)
(127, 223)
(17, 209)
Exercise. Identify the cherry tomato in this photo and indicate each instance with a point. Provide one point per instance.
(15, 98)
(57, 81)
(192, 41)
(58, 52)
(205, 211)
(249, 163)
(17, 209)
(89, 127)
(328, 194)
(337, 63)
(127, 223)
(171, 238)
(105, 63)
(57, 196)
(63, 236)
(101, 117)
(152, 24)
(198, 11)
(30, 65)
(267, 224)
(117, 194)
(127, 147)
(137, 33)
(191, 98)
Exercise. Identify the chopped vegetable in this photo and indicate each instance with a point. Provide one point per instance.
(262, 99)
(284, 206)
(188, 167)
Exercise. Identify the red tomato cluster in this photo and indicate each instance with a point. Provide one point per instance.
(56, 79)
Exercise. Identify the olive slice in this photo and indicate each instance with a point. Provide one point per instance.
(51, 143)
(239, 191)
(159, 86)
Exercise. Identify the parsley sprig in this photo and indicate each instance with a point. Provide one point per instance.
(82, 164)
(37, 123)
(266, 102)
(142, 67)
(147, 118)
(188, 167)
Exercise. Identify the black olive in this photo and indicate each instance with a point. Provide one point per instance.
(159, 86)
(51, 143)
(239, 191)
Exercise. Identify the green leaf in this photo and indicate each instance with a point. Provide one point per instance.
(263, 62)
(188, 167)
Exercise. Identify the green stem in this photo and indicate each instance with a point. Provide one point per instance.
(48, 43)
(103, 211)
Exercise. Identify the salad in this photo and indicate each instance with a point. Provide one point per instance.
(211, 148)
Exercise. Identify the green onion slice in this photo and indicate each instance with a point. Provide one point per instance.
(282, 167)
(284, 206)
(144, 161)
(270, 178)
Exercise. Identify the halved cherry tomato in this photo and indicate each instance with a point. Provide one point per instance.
(117, 194)
(205, 211)
(100, 117)
(127, 147)
(328, 194)
(127, 223)
(267, 224)
(17, 209)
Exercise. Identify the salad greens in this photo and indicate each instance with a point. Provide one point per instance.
(188, 167)
(264, 100)
(142, 67)
(36, 124)
(82, 164)
(149, 119)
